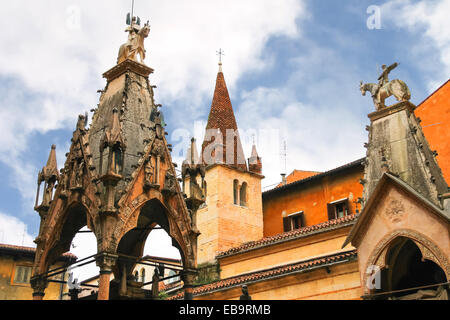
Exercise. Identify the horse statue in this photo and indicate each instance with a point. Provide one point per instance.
(384, 88)
(135, 43)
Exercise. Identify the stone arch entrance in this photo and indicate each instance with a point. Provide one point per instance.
(60, 233)
(130, 249)
(407, 268)
(403, 263)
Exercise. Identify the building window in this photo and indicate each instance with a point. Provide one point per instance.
(338, 209)
(235, 192)
(22, 275)
(243, 195)
(143, 275)
(293, 221)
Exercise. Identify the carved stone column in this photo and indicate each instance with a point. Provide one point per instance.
(105, 262)
(189, 276)
(39, 285)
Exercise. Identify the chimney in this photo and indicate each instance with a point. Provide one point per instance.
(283, 179)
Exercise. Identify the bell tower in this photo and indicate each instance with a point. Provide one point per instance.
(232, 213)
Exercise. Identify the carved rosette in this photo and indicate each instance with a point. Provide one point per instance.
(395, 211)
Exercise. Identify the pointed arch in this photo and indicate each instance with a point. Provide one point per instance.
(388, 249)
(65, 225)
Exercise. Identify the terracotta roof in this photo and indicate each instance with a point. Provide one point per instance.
(31, 250)
(222, 117)
(273, 272)
(352, 164)
(291, 235)
(297, 175)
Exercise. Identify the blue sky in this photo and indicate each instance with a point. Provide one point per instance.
(292, 68)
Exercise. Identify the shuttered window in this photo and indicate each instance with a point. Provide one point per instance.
(338, 209)
(22, 274)
(293, 221)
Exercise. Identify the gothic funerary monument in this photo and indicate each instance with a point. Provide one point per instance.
(118, 180)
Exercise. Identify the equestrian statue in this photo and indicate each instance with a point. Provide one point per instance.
(384, 88)
(135, 44)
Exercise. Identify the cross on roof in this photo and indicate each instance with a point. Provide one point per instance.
(220, 53)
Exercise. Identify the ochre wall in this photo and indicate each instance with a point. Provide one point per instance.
(312, 198)
(284, 253)
(223, 224)
(13, 291)
(435, 115)
(341, 283)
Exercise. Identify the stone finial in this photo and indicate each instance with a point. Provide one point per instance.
(51, 169)
(49, 174)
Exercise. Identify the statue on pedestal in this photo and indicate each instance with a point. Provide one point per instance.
(135, 44)
(384, 88)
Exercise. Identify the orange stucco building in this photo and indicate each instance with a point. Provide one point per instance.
(314, 198)
(434, 112)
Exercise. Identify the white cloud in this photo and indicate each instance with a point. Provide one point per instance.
(14, 231)
(317, 139)
(55, 54)
(430, 20)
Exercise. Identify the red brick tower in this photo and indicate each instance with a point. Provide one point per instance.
(233, 211)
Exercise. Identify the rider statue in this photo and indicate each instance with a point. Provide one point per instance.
(133, 29)
(135, 43)
(384, 88)
(383, 78)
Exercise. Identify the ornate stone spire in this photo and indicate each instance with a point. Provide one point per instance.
(398, 146)
(49, 175)
(113, 135)
(222, 143)
(51, 169)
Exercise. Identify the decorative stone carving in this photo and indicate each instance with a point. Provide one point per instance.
(78, 175)
(170, 184)
(384, 88)
(49, 174)
(155, 284)
(135, 44)
(63, 182)
(39, 285)
(106, 262)
(245, 295)
(395, 210)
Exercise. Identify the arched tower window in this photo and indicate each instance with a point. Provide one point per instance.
(235, 192)
(243, 194)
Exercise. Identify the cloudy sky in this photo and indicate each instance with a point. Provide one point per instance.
(292, 68)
